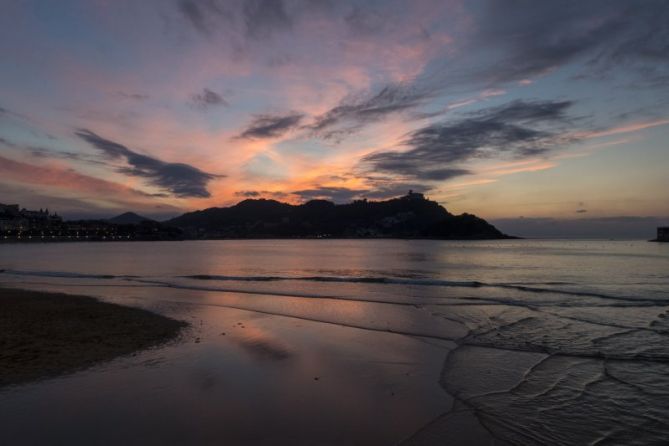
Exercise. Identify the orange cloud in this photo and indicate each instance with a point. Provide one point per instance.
(68, 180)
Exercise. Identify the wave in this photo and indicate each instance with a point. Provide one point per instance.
(430, 282)
(529, 288)
(380, 280)
(65, 275)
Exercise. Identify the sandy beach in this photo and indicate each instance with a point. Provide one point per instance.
(48, 334)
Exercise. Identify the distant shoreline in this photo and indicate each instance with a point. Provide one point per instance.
(50, 334)
(70, 240)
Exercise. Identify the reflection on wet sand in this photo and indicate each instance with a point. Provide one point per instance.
(268, 377)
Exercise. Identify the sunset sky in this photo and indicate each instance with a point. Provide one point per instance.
(504, 109)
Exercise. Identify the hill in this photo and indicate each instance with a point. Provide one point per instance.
(410, 216)
(128, 218)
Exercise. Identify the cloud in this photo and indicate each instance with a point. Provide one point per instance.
(261, 194)
(376, 191)
(263, 17)
(68, 179)
(518, 129)
(207, 99)
(182, 180)
(354, 112)
(248, 193)
(534, 38)
(255, 19)
(336, 194)
(41, 152)
(191, 10)
(271, 126)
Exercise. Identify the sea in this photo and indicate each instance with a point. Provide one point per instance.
(369, 342)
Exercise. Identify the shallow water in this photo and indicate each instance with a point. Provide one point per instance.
(363, 342)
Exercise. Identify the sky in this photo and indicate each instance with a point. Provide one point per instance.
(521, 112)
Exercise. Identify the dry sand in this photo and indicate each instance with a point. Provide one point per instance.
(48, 334)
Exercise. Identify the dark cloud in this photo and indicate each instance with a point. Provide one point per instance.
(518, 129)
(248, 193)
(271, 126)
(260, 193)
(534, 38)
(255, 19)
(263, 17)
(182, 180)
(375, 191)
(354, 112)
(208, 98)
(193, 12)
(528, 112)
(336, 194)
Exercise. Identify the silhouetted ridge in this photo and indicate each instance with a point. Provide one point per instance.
(410, 216)
(128, 218)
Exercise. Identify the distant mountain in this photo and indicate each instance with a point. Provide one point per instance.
(411, 216)
(128, 218)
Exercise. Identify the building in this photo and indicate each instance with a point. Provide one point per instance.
(663, 234)
(415, 196)
(14, 222)
(10, 210)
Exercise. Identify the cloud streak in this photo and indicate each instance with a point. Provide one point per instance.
(181, 180)
(336, 194)
(271, 126)
(353, 113)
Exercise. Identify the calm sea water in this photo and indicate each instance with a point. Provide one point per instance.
(362, 342)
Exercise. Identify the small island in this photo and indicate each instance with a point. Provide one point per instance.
(49, 334)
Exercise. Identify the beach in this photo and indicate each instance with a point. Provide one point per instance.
(43, 335)
(361, 342)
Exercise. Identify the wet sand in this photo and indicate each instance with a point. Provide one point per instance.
(48, 334)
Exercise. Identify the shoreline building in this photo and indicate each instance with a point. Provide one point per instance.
(20, 224)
